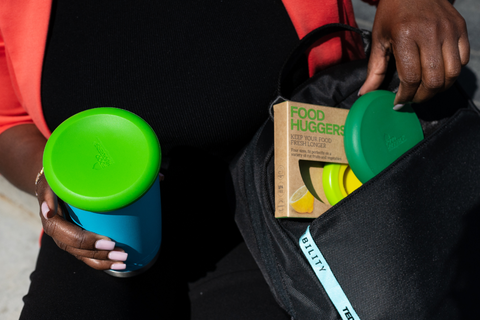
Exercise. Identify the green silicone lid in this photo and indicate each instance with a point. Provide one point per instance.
(330, 182)
(102, 159)
(376, 135)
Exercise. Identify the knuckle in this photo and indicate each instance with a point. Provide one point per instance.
(433, 83)
(402, 28)
(97, 255)
(427, 30)
(460, 23)
(401, 34)
(62, 245)
(96, 264)
(84, 254)
(89, 254)
(81, 239)
(452, 75)
(446, 26)
(411, 79)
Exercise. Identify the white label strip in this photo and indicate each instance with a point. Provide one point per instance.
(326, 277)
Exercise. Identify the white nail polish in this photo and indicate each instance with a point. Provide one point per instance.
(104, 245)
(117, 255)
(45, 209)
(118, 266)
(358, 93)
(398, 106)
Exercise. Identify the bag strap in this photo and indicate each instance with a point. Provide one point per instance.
(291, 65)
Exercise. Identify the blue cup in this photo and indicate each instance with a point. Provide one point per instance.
(133, 228)
(104, 164)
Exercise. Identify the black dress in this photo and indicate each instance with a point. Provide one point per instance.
(202, 74)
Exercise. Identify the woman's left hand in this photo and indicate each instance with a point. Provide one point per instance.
(429, 41)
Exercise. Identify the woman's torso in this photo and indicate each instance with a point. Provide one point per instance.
(200, 72)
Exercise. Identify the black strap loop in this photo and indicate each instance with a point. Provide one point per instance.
(305, 44)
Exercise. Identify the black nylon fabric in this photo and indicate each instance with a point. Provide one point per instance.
(404, 245)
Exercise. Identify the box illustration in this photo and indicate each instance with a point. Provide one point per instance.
(306, 138)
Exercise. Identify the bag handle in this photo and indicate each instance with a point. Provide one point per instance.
(309, 40)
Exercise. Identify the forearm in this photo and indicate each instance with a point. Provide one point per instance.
(21, 152)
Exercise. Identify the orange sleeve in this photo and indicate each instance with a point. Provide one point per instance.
(11, 111)
(307, 15)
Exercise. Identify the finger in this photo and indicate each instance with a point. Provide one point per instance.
(102, 264)
(377, 68)
(111, 263)
(433, 72)
(96, 251)
(409, 70)
(464, 45)
(60, 229)
(452, 62)
(116, 254)
(46, 198)
(74, 236)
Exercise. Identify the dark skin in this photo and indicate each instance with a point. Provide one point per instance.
(429, 41)
(24, 146)
(427, 37)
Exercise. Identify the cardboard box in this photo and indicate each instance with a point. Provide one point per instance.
(306, 137)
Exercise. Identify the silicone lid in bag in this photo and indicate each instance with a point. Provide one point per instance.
(341, 174)
(338, 181)
(376, 135)
(331, 186)
(348, 181)
(102, 159)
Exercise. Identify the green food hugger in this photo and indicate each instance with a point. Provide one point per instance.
(104, 164)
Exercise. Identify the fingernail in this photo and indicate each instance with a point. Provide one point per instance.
(359, 94)
(45, 209)
(398, 106)
(118, 256)
(104, 245)
(118, 266)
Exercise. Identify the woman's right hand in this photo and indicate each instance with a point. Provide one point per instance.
(22, 149)
(96, 251)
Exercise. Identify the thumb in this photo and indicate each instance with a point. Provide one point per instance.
(49, 205)
(377, 68)
(47, 199)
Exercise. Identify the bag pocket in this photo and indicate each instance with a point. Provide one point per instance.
(400, 245)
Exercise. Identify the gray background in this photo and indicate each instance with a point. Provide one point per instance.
(20, 226)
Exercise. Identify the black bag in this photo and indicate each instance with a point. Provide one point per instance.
(405, 244)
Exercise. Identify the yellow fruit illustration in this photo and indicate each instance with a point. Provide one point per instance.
(302, 200)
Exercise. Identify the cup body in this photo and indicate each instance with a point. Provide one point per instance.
(136, 228)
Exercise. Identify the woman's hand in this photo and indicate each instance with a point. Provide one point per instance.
(429, 41)
(96, 251)
(22, 148)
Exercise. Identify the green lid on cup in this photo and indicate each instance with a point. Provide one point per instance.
(376, 135)
(102, 159)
